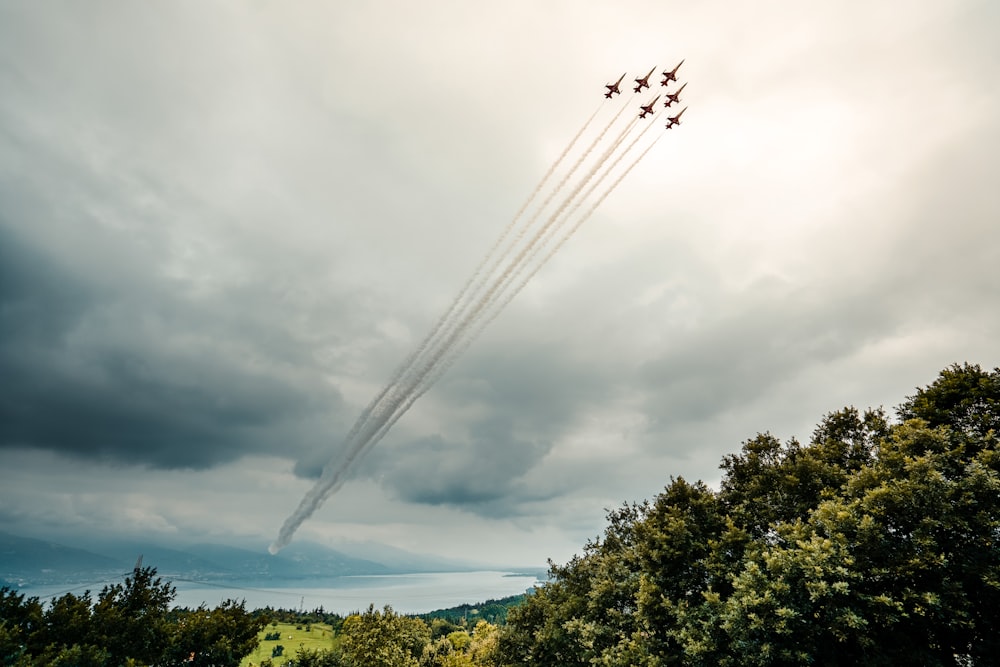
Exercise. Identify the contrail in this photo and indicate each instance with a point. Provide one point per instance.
(407, 397)
(437, 371)
(618, 141)
(576, 165)
(417, 384)
(483, 323)
(517, 262)
(520, 235)
(472, 284)
(410, 380)
(332, 477)
(421, 348)
(590, 211)
(513, 223)
(545, 178)
(557, 219)
(459, 311)
(579, 202)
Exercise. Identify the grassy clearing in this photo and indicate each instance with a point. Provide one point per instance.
(320, 636)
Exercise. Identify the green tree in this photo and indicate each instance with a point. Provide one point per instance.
(20, 621)
(306, 657)
(130, 624)
(130, 619)
(383, 639)
(66, 636)
(436, 652)
(218, 637)
(874, 544)
(441, 627)
(586, 613)
(965, 398)
(485, 644)
(901, 568)
(459, 649)
(686, 549)
(769, 482)
(73, 656)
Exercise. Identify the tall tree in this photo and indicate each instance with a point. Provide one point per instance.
(130, 619)
(20, 623)
(217, 637)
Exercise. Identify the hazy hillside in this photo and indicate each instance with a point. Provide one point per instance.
(300, 561)
(26, 561)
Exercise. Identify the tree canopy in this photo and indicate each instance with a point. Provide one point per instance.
(130, 623)
(876, 543)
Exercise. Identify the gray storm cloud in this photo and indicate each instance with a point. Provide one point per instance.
(118, 380)
(213, 256)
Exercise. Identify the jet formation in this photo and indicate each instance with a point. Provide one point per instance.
(643, 82)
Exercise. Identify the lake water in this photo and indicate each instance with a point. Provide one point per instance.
(406, 593)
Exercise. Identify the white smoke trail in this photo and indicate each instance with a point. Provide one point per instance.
(534, 218)
(531, 198)
(332, 477)
(404, 395)
(410, 380)
(558, 220)
(428, 374)
(422, 347)
(483, 323)
(420, 382)
(586, 216)
(439, 370)
(510, 227)
(515, 265)
(566, 177)
(459, 310)
(475, 284)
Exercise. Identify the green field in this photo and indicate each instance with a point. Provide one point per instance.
(320, 636)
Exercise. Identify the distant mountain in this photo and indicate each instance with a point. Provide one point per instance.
(166, 560)
(27, 561)
(301, 561)
(400, 560)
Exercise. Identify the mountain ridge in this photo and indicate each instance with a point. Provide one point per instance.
(28, 561)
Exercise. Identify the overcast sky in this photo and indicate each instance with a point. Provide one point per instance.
(224, 224)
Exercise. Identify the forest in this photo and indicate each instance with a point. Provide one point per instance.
(874, 543)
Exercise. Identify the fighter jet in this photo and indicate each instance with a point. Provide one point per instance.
(671, 75)
(613, 87)
(648, 109)
(674, 96)
(644, 81)
(675, 120)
